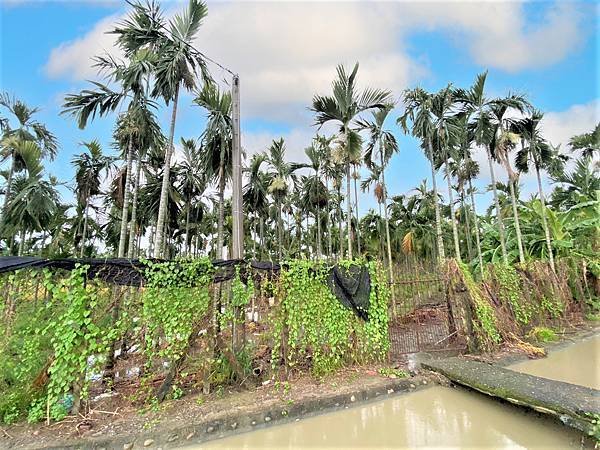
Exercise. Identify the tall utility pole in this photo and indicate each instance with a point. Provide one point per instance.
(237, 212)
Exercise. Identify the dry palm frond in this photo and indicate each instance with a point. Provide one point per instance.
(379, 192)
(408, 242)
(531, 350)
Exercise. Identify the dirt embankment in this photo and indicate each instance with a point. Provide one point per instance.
(198, 418)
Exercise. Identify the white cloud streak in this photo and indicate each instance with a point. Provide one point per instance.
(285, 52)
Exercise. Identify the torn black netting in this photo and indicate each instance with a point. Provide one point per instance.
(351, 286)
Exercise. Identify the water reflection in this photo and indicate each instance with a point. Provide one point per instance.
(578, 363)
(435, 417)
(438, 417)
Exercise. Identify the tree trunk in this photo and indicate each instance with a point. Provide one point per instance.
(262, 236)
(221, 220)
(452, 216)
(497, 203)
(136, 188)
(9, 178)
(187, 228)
(476, 224)
(318, 218)
(357, 218)
(279, 229)
(125, 211)
(85, 225)
(513, 200)
(544, 220)
(254, 237)
(340, 229)
(152, 239)
(328, 224)
(387, 233)
(164, 190)
(136, 250)
(465, 213)
(438, 220)
(22, 243)
(348, 211)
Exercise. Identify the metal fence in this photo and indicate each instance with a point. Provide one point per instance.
(423, 317)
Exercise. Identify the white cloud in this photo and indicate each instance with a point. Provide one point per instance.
(73, 59)
(559, 127)
(499, 35)
(296, 140)
(285, 52)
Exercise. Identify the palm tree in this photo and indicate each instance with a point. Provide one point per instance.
(387, 146)
(477, 107)
(444, 136)
(135, 126)
(332, 170)
(413, 216)
(129, 130)
(255, 196)
(88, 169)
(466, 171)
(281, 177)
(587, 143)
(315, 191)
(580, 184)
(484, 124)
(343, 107)
(418, 104)
(34, 204)
(538, 152)
(192, 182)
(177, 64)
(217, 157)
(28, 130)
(149, 137)
(503, 142)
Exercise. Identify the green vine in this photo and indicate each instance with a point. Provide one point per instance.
(175, 297)
(241, 294)
(311, 322)
(74, 336)
(510, 289)
(554, 308)
(376, 328)
(485, 325)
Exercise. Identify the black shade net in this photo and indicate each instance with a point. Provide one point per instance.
(351, 286)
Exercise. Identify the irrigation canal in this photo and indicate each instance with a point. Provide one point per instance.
(439, 416)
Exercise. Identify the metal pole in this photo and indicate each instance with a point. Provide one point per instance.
(238, 214)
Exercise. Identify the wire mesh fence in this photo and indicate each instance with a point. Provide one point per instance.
(423, 317)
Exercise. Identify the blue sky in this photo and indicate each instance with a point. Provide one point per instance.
(286, 52)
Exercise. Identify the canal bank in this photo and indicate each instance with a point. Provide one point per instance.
(440, 416)
(304, 401)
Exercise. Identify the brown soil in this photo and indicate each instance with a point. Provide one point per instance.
(113, 418)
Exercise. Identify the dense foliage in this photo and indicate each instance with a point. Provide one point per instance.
(312, 320)
(69, 338)
(140, 203)
(523, 265)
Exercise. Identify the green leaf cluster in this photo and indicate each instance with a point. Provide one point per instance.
(484, 323)
(176, 296)
(312, 325)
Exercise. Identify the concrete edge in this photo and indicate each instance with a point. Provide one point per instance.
(239, 422)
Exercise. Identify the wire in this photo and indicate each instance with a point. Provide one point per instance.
(198, 52)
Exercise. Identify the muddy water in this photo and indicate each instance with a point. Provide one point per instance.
(437, 417)
(578, 363)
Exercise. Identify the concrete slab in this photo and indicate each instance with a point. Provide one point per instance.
(576, 406)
